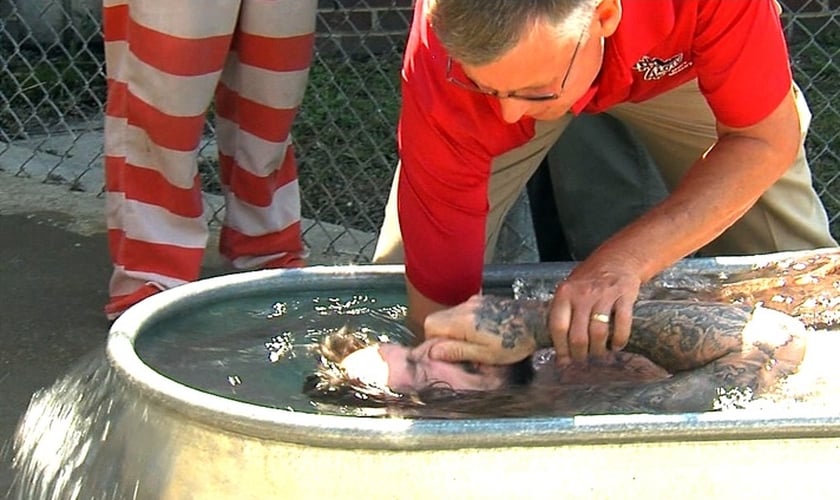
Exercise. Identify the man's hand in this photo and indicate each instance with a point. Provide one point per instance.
(487, 329)
(592, 309)
(590, 315)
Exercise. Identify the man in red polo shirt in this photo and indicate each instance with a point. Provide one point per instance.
(489, 87)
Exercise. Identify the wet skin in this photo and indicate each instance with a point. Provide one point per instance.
(402, 368)
(705, 345)
(405, 369)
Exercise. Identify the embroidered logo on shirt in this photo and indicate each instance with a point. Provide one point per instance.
(654, 68)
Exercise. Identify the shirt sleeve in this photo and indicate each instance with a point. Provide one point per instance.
(442, 193)
(447, 138)
(741, 59)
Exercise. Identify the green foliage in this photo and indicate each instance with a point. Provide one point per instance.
(345, 139)
(345, 130)
(40, 89)
(815, 50)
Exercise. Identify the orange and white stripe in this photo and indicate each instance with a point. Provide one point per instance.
(166, 62)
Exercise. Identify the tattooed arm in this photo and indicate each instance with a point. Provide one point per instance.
(489, 329)
(762, 347)
(739, 345)
(676, 335)
(689, 391)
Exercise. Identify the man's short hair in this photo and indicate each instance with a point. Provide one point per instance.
(478, 32)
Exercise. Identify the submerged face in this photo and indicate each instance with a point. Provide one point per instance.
(402, 368)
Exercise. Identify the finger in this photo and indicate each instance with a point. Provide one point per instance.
(622, 323)
(599, 329)
(558, 325)
(440, 324)
(455, 351)
(579, 333)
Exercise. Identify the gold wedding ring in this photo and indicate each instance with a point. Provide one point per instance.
(601, 318)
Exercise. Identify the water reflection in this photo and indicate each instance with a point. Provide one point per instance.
(262, 355)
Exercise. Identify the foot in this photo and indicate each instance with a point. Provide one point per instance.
(121, 303)
(284, 262)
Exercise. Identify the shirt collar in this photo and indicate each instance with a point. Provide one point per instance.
(643, 25)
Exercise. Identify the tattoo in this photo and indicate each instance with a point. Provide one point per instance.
(700, 389)
(685, 335)
(677, 335)
(705, 345)
(802, 286)
(702, 344)
(516, 322)
(703, 388)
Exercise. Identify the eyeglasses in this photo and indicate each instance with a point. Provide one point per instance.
(473, 87)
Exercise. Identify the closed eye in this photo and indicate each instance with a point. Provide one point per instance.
(470, 367)
(419, 376)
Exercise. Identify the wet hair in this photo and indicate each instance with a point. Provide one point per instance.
(521, 373)
(478, 32)
(331, 385)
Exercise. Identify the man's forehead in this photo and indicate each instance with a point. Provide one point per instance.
(534, 63)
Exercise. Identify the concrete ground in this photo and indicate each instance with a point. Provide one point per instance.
(54, 271)
(54, 265)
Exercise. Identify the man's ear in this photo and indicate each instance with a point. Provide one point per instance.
(608, 15)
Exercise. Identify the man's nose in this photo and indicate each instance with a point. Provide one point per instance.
(513, 109)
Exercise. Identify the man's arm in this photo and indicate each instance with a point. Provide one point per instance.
(489, 329)
(716, 191)
(681, 336)
(419, 308)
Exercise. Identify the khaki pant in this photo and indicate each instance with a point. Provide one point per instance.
(608, 170)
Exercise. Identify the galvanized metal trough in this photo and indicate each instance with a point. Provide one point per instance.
(191, 444)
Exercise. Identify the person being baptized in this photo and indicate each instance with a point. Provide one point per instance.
(681, 356)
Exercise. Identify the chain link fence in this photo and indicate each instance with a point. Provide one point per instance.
(52, 94)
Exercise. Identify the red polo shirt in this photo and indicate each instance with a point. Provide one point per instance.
(448, 136)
